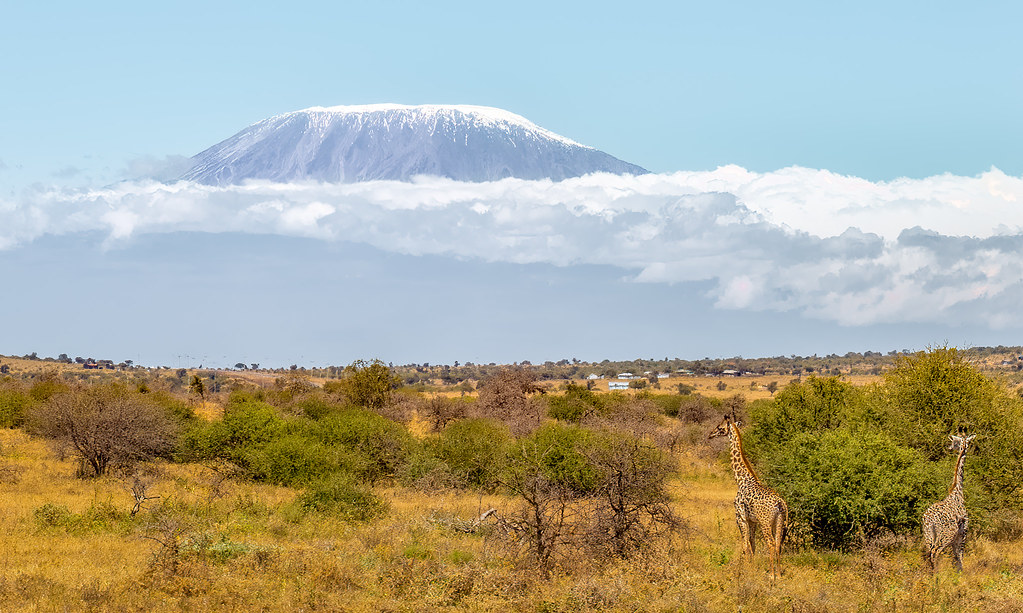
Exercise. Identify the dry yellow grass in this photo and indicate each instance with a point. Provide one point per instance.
(272, 559)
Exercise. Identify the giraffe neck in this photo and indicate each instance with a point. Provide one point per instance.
(740, 465)
(956, 490)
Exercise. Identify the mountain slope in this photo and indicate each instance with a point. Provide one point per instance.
(347, 144)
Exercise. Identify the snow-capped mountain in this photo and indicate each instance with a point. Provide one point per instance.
(345, 144)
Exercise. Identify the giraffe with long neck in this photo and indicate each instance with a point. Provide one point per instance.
(757, 507)
(945, 521)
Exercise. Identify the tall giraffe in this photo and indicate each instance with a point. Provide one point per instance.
(945, 521)
(756, 505)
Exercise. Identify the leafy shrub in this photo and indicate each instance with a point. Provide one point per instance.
(341, 495)
(203, 546)
(555, 453)
(474, 450)
(314, 406)
(14, 403)
(247, 425)
(385, 444)
(47, 387)
(297, 451)
(102, 516)
(842, 485)
(52, 515)
(669, 405)
(365, 384)
(424, 470)
(932, 394)
(688, 407)
(576, 403)
(174, 406)
(297, 459)
(812, 406)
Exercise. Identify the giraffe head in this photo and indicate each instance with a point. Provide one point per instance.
(960, 443)
(727, 422)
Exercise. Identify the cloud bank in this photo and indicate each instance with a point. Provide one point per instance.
(944, 249)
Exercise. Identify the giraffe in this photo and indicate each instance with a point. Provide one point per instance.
(756, 505)
(945, 521)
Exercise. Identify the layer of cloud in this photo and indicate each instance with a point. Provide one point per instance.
(943, 249)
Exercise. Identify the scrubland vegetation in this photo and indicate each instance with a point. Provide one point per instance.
(149, 490)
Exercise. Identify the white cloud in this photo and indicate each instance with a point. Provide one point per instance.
(941, 249)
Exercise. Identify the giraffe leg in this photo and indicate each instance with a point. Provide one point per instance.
(930, 546)
(959, 543)
(778, 529)
(742, 519)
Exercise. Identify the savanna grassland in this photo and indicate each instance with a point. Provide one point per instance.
(356, 490)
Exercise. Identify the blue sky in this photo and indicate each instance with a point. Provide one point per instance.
(865, 93)
(873, 89)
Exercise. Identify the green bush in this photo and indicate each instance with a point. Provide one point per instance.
(365, 384)
(13, 404)
(554, 453)
(101, 516)
(173, 405)
(315, 406)
(298, 459)
(297, 451)
(841, 485)
(341, 495)
(247, 425)
(52, 515)
(815, 405)
(203, 546)
(386, 445)
(577, 402)
(474, 450)
(932, 394)
(47, 387)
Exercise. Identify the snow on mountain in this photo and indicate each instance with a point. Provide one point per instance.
(347, 144)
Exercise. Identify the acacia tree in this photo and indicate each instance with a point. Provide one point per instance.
(547, 473)
(631, 498)
(197, 387)
(505, 396)
(365, 384)
(104, 426)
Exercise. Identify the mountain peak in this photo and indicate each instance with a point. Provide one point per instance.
(344, 144)
(482, 114)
